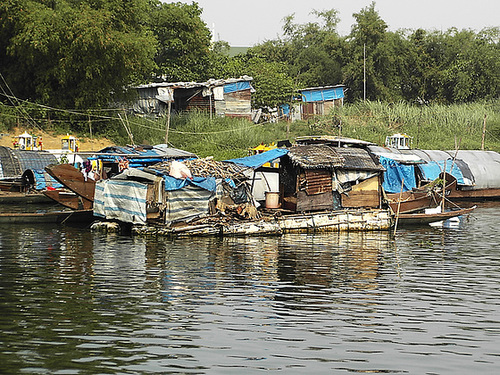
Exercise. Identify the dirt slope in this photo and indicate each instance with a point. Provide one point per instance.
(53, 141)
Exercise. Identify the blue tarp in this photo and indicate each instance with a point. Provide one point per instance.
(43, 180)
(321, 95)
(394, 174)
(237, 86)
(285, 108)
(432, 169)
(172, 183)
(258, 160)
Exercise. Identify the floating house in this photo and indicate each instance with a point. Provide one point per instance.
(21, 170)
(322, 177)
(318, 101)
(477, 172)
(172, 192)
(223, 97)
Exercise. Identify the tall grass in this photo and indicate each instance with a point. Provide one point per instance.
(220, 137)
(432, 127)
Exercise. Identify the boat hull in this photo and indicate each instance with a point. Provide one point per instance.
(56, 217)
(421, 219)
(73, 179)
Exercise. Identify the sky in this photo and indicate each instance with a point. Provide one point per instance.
(250, 22)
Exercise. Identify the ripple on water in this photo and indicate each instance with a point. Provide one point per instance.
(423, 301)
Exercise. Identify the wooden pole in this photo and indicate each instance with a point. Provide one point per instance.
(444, 186)
(168, 121)
(399, 205)
(484, 132)
(90, 127)
(364, 72)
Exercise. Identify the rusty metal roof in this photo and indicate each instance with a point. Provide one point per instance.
(335, 141)
(315, 156)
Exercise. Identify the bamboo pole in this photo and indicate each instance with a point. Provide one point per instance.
(484, 133)
(399, 205)
(444, 186)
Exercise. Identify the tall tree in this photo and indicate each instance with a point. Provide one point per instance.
(367, 54)
(74, 53)
(183, 42)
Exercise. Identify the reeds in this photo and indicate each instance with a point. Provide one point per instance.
(431, 126)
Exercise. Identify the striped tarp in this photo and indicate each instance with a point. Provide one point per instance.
(187, 203)
(122, 200)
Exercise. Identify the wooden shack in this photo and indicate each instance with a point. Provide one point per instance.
(322, 177)
(318, 101)
(223, 97)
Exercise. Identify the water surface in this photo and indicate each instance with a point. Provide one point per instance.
(425, 301)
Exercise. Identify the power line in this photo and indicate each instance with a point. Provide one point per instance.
(17, 107)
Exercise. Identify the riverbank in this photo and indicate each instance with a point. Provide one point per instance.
(52, 140)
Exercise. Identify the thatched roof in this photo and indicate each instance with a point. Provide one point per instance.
(315, 156)
(321, 156)
(358, 159)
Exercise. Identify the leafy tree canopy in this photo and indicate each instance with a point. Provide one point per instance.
(74, 54)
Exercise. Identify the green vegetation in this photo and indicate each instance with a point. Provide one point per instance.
(437, 126)
(64, 63)
(432, 127)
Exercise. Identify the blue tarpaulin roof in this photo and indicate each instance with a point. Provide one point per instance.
(322, 94)
(258, 160)
(432, 169)
(236, 86)
(172, 183)
(394, 174)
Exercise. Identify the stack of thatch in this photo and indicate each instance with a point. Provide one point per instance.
(206, 167)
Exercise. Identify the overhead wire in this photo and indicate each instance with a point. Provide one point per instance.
(19, 108)
(74, 112)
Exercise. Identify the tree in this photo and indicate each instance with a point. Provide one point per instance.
(183, 42)
(273, 86)
(74, 54)
(367, 53)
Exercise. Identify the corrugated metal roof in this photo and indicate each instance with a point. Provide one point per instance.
(358, 159)
(483, 165)
(315, 156)
(320, 88)
(332, 140)
(161, 151)
(395, 154)
(190, 85)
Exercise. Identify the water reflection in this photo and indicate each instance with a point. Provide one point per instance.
(80, 302)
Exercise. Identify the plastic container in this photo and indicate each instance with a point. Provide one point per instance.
(272, 199)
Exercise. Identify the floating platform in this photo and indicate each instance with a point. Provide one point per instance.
(335, 221)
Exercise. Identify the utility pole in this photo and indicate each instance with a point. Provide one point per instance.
(169, 108)
(364, 72)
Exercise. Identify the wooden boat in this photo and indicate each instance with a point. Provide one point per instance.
(69, 199)
(411, 201)
(57, 217)
(423, 218)
(14, 197)
(73, 179)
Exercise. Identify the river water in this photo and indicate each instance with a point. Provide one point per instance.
(425, 301)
